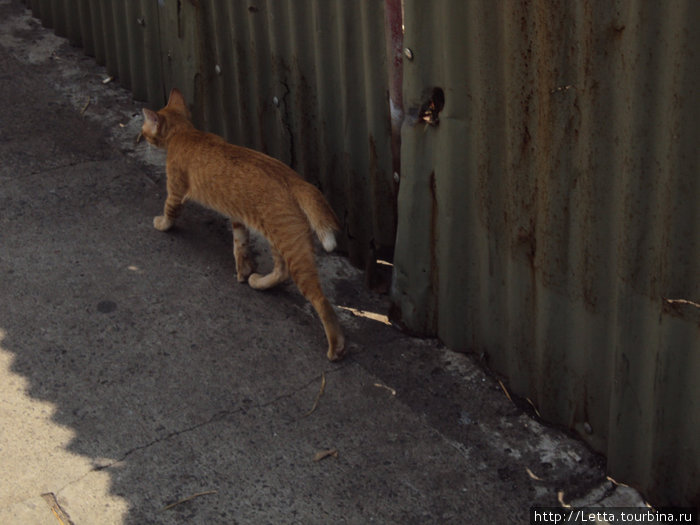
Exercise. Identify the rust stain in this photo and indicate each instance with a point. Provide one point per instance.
(527, 239)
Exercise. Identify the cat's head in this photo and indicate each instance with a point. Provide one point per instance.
(158, 126)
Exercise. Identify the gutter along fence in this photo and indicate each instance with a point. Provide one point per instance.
(548, 211)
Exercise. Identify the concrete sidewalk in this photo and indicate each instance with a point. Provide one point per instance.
(140, 383)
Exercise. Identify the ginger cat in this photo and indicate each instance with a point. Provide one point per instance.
(254, 191)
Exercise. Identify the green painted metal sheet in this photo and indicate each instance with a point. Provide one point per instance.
(550, 221)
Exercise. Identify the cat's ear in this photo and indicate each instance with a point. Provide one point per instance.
(177, 102)
(150, 121)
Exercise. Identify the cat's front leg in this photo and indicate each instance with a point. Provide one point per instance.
(162, 223)
(170, 212)
(244, 262)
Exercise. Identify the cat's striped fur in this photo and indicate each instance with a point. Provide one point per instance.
(254, 191)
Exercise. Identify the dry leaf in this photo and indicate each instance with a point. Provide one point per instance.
(325, 454)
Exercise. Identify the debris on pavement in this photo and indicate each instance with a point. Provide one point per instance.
(318, 396)
(323, 454)
(189, 498)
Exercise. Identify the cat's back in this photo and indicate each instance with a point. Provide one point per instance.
(234, 180)
(208, 154)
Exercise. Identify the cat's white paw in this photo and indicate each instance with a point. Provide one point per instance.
(162, 223)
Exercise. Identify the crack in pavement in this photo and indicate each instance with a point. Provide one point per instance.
(215, 418)
(51, 169)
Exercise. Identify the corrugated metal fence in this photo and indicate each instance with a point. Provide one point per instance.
(548, 213)
(551, 219)
(304, 81)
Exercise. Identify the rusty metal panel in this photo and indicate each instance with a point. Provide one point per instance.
(549, 215)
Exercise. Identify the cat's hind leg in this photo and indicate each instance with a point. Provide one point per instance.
(278, 274)
(302, 267)
(244, 262)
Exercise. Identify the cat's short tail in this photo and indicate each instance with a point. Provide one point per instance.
(318, 212)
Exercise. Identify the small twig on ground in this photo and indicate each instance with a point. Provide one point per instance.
(532, 474)
(560, 497)
(505, 390)
(380, 385)
(318, 396)
(534, 407)
(189, 498)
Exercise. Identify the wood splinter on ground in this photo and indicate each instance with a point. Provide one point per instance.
(189, 498)
(58, 512)
(323, 454)
(560, 497)
(505, 390)
(534, 407)
(380, 385)
(318, 396)
(532, 474)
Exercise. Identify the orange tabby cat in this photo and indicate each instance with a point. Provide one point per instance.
(254, 191)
